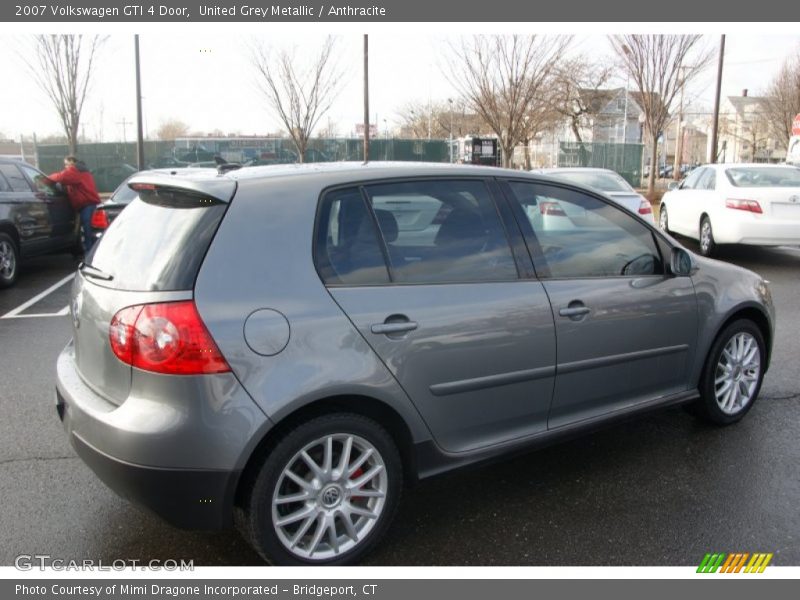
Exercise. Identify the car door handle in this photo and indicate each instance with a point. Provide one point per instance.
(393, 327)
(574, 311)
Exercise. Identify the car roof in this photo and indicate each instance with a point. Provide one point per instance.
(574, 170)
(223, 185)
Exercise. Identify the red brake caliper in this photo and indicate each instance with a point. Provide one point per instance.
(356, 474)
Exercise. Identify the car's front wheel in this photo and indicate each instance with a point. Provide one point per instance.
(9, 261)
(733, 374)
(325, 494)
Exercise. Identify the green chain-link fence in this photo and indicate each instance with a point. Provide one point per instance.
(625, 159)
(111, 163)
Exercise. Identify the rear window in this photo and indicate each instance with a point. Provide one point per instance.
(158, 243)
(764, 176)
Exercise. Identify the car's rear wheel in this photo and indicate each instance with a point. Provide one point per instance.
(663, 219)
(325, 494)
(9, 260)
(707, 244)
(733, 374)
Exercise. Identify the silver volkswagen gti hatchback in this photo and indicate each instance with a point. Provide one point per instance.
(284, 349)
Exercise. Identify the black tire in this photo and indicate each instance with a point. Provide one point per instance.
(708, 246)
(255, 519)
(9, 260)
(663, 219)
(707, 406)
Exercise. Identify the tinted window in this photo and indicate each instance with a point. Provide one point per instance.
(158, 242)
(4, 187)
(764, 176)
(347, 247)
(15, 179)
(581, 236)
(442, 231)
(691, 182)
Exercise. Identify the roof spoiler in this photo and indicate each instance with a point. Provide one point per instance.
(216, 187)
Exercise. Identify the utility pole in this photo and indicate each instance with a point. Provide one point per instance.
(450, 145)
(139, 131)
(366, 98)
(715, 124)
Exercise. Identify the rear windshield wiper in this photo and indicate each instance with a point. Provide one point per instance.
(94, 272)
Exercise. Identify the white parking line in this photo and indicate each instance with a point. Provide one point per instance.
(12, 314)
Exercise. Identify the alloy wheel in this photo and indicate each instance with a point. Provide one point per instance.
(329, 496)
(737, 373)
(8, 261)
(705, 236)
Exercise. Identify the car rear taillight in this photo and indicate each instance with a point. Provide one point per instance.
(748, 205)
(169, 337)
(99, 219)
(552, 209)
(645, 208)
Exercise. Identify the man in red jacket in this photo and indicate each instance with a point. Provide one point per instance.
(82, 194)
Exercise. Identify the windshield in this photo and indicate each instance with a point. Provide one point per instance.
(764, 176)
(599, 180)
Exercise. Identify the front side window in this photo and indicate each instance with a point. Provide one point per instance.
(40, 182)
(582, 236)
(442, 232)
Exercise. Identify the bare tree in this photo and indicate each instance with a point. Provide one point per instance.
(63, 66)
(576, 84)
(782, 101)
(419, 119)
(660, 66)
(171, 129)
(300, 94)
(501, 77)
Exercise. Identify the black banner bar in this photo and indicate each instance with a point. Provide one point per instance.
(385, 11)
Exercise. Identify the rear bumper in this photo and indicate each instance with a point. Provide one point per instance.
(176, 445)
(757, 232)
(185, 498)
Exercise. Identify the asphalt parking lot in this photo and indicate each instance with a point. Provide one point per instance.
(661, 490)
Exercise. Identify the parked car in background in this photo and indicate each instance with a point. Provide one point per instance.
(109, 177)
(283, 348)
(753, 204)
(35, 218)
(610, 183)
(109, 209)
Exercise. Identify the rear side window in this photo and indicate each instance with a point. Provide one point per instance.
(442, 232)
(4, 187)
(347, 249)
(158, 242)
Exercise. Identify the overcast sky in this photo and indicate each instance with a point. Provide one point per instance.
(205, 79)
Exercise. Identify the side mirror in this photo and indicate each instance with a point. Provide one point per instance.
(674, 185)
(681, 263)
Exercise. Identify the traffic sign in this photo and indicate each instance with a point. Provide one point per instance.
(796, 125)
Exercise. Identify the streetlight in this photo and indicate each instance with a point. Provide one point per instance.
(450, 102)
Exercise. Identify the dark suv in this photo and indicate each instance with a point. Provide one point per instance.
(284, 347)
(35, 218)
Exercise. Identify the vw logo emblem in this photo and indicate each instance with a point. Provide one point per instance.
(330, 497)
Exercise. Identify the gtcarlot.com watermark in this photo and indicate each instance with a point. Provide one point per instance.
(30, 562)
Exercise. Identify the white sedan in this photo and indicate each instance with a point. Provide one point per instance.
(755, 204)
(607, 182)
